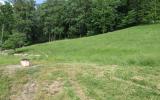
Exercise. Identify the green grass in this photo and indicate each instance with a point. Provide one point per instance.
(9, 59)
(4, 86)
(120, 65)
(133, 46)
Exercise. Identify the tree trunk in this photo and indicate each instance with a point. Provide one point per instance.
(2, 36)
(59, 36)
(2, 33)
(54, 37)
(49, 38)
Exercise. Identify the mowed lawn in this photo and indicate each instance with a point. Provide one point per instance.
(120, 65)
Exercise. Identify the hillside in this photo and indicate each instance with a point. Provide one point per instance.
(120, 65)
(136, 45)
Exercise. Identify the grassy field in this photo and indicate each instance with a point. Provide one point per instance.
(132, 46)
(120, 65)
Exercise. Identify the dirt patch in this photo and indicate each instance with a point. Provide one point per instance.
(53, 88)
(11, 69)
(114, 65)
(137, 78)
(79, 91)
(76, 86)
(28, 92)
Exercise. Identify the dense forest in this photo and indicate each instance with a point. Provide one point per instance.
(23, 22)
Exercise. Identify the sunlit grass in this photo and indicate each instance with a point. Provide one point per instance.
(132, 46)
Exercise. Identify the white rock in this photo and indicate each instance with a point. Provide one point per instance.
(25, 63)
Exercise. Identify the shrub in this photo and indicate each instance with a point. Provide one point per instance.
(14, 41)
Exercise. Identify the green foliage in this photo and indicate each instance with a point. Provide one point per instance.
(61, 19)
(6, 21)
(15, 41)
(130, 19)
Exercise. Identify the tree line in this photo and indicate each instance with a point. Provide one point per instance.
(23, 22)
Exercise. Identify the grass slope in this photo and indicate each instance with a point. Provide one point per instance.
(121, 65)
(132, 46)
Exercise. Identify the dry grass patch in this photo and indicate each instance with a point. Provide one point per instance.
(27, 93)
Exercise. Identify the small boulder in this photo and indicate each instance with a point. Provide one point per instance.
(25, 63)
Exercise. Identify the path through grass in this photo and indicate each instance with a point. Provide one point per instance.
(84, 82)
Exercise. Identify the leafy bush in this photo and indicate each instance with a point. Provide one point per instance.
(14, 41)
(130, 19)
